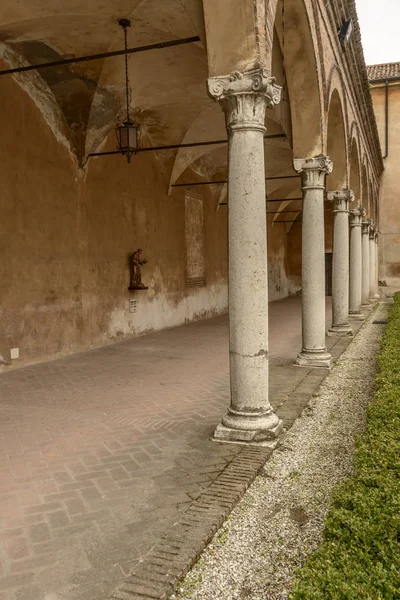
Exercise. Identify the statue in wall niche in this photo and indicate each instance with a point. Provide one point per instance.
(136, 261)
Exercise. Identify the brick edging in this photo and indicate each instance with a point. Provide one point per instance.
(173, 556)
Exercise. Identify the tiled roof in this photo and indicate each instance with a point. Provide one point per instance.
(386, 71)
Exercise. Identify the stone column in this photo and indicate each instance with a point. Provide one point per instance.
(245, 97)
(372, 262)
(356, 216)
(340, 274)
(365, 275)
(313, 172)
(376, 294)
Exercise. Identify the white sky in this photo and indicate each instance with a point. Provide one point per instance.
(380, 30)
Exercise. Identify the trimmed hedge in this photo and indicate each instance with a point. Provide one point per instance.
(360, 553)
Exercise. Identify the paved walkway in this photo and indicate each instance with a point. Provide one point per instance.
(103, 451)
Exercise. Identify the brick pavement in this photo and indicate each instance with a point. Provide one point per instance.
(103, 453)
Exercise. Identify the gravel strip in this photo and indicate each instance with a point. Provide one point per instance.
(280, 519)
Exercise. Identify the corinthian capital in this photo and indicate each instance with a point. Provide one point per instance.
(356, 217)
(313, 170)
(245, 97)
(371, 230)
(340, 199)
(365, 225)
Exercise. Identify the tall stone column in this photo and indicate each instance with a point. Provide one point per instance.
(365, 274)
(340, 274)
(356, 216)
(376, 292)
(245, 97)
(313, 172)
(372, 259)
(372, 262)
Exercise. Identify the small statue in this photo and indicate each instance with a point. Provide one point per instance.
(136, 276)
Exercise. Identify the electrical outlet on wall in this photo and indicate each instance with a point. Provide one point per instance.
(14, 353)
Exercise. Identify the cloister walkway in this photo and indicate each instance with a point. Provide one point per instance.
(102, 451)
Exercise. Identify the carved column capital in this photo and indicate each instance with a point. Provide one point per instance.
(365, 226)
(371, 230)
(245, 97)
(341, 200)
(313, 170)
(356, 216)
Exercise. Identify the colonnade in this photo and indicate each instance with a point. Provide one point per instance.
(250, 417)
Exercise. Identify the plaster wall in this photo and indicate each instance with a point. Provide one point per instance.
(389, 206)
(67, 234)
(66, 238)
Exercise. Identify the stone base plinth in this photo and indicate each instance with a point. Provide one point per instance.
(366, 304)
(309, 359)
(257, 437)
(340, 331)
(356, 316)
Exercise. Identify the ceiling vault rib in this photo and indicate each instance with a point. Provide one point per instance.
(70, 61)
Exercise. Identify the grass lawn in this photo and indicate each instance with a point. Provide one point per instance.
(360, 553)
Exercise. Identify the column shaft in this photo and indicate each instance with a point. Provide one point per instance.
(376, 294)
(355, 265)
(245, 96)
(372, 262)
(313, 172)
(365, 274)
(340, 275)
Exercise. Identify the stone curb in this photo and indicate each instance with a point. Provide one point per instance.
(173, 556)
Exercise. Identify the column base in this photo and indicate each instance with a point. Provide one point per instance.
(340, 331)
(310, 358)
(366, 303)
(247, 428)
(356, 316)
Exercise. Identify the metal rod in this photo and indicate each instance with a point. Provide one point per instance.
(198, 183)
(189, 145)
(188, 184)
(156, 148)
(70, 61)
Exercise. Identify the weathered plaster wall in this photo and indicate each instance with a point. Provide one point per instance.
(67, 235)
(282, 281)
(389, 206)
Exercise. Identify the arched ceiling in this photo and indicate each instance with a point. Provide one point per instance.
(168, 86)
(91, 94)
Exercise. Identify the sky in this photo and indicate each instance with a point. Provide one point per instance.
(380, 30)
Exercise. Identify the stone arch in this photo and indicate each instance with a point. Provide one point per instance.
(355, 171)
(365, 187)
(302, 72)
(235, 35)
(337, 142)
(336, 130)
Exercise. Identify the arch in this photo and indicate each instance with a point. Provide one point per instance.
(355, 171)
(336, 143)
(365, 187)
(235, 33)
(302, 71)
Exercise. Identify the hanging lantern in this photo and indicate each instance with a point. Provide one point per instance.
(127, 132)
(128, 139)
